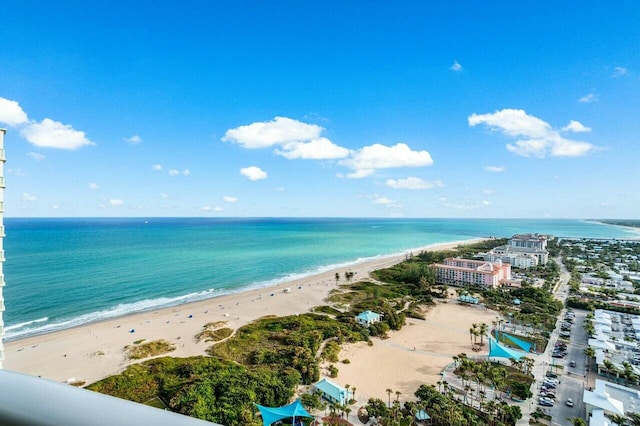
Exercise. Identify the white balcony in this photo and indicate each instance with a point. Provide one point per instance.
(2, 157)
(2, 182)
(1, 206)
(2, 234)
(2, 259)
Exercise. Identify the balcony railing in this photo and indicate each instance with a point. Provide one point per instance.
(2, 157)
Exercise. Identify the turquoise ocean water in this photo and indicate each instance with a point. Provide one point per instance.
(61, 273)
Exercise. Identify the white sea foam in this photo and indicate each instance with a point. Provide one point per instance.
(31, 328)
(25, 324)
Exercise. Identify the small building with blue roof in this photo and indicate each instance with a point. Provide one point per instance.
(367, 318)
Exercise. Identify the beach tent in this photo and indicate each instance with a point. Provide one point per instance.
(525, 346)
(423, 417)
(271, 415)
(496, 350)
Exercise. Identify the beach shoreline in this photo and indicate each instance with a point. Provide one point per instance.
(93, 351)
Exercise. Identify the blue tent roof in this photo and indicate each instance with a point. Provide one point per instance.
(496, 350)
(369, 316)
(422, 415)
(468, 299)
(525, 346)
(272, 415)
(517, 301)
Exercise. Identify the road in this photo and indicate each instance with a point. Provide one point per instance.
(572, 379)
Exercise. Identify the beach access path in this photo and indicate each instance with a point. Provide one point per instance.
(94, 351)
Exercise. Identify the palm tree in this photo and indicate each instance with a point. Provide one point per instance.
(483, 330)
(389, 391)
(353, 393)
(398, 396)
(347, 410)
(347, 389)
(577, 421)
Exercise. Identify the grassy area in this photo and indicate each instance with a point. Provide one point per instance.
(214, 332)
(146, 350)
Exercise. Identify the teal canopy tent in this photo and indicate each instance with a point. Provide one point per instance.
(525, 346)
(496, 350)
(271, 415)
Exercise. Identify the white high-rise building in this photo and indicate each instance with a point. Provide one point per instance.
(2, 160)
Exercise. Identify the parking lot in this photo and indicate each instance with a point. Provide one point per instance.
(571, 379)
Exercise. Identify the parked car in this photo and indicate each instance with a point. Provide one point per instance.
(557, 355)
(569, 402)
(548, 394)
(552, 375)
(572, 363)
(545, 402)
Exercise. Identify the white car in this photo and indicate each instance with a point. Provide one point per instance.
(569, 402)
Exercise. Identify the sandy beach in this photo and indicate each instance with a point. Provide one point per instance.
(94, 351)
(412, 356)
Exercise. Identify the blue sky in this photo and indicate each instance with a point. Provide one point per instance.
(296, 108)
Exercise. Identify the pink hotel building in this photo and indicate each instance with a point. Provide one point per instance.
(459, 272)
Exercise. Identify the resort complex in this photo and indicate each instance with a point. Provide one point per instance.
(461, 272)
(522, 251)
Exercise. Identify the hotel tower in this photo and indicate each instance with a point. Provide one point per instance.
(2, 160)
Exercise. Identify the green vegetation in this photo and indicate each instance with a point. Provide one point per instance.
(214, 332)
(157, 347)
(264, 361)
(288, 342)
(204, 387)
(444, 408)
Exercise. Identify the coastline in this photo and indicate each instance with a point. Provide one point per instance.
(94, 351)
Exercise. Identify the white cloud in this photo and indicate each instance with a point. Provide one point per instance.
(412, 183)
(588, 98)
(156, 167)
(218, 209)
(495, 169)
(134, 140)
(576, 127)
(53, 134)
(456, 66)
(279, 189)
(540, 139)
(28, 197)
(206, 208)
(253, 173)
(11, 113)
(165, 196)
(293, 139)
(487, 191)
(174, 172)
(368, 159)
(36, 156)
(115, 202)
(316, 149)
(386, 202)
(620, 71)
(486, 203)
(93, 185)
(186, 172)
(280, 130)
(230, 199)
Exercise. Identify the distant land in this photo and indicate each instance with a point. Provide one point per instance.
(634, 223)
